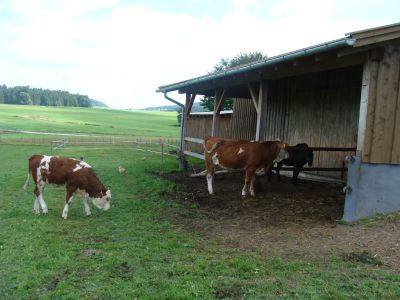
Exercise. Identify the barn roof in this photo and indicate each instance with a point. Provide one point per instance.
(237, 78)
(254, 66)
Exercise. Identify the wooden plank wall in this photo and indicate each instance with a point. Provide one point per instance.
(319, 109)
(382, 138)
(323, 112)
(199, 126)
(244, 120)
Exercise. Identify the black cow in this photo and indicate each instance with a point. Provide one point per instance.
(298, 157)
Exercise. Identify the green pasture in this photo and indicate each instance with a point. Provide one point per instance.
(140, 250)
(91, 121)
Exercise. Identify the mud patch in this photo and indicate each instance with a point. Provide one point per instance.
(229, 292)
(363, 257)
(291, 221)
(89, 252)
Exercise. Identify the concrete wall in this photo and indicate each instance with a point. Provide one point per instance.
(374, 188)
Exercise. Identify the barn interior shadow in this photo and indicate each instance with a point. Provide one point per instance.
(282, 218)
(275, 203)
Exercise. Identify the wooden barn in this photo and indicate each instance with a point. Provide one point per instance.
(342, 98)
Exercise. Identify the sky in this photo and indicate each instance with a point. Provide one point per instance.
(120, 51)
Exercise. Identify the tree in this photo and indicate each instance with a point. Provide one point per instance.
(24, 98)
(225, 63)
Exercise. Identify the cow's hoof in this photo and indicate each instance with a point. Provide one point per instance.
(89, 215)
(36, 212)
(45, 212)
(64, 217)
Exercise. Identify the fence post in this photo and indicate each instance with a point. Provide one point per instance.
(162, 149)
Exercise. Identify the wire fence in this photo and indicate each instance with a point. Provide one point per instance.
(158, 146)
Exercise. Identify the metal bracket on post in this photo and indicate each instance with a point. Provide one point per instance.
(350, 159)
(347, 189)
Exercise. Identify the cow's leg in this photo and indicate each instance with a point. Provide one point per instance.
(253, 179)
(68, 200)
(278, 168)
(269, 174)
(209, 176)
(248, 181)
(87, 207)
(36, 206)
(296, 172)
(39, 196)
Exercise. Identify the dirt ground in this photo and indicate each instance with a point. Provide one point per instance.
(291, 221)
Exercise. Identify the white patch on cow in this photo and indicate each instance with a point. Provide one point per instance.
(209, 183)
(260, 171)
(80, 165)
(66, 208)
(43, 165)
(241, 150)
(41, 185)
(85, 165)
(43, 204)
(283, 154)
(253, 179)
(36, 206)
(215, 159)
(77, 168)
(82, 193)
(103, 202)
(45, 162)
(87, 207)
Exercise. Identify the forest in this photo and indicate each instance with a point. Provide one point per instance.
(25, 95)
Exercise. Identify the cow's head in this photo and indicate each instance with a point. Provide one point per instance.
(283, 153)
(103, 202)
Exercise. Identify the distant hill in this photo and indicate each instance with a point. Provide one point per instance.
(195, 108)
(97, 103)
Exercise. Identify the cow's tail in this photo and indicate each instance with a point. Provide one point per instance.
(26, 185)
(214, 146)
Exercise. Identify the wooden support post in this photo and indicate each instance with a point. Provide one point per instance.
(189, 105)
(367, 108)
(185, 116)
(254, 95)
(220, 96)
(262, 110)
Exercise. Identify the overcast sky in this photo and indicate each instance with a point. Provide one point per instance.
(120, 52)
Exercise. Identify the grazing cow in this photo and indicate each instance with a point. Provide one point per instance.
(298, 157)
(77, 176)
(253, 157)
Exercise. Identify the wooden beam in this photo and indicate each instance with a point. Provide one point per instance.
(194, 154)
(367, 108)
(185, 116)
(215, 122)
(254, 95)
(194, 140)
(220, 102)
(262, 110)
(190, 103)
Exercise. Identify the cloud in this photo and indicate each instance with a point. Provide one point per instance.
(120, 52)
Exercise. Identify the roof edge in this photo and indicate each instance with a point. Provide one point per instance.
(344, 42)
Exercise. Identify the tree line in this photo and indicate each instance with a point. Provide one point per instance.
(25, 95)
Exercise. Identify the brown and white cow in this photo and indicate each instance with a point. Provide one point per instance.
(77, 176)
(253, 157)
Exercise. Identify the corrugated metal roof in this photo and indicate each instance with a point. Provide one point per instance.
(340, 43)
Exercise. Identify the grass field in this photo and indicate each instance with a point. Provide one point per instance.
(89, 121)
(139, 249)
